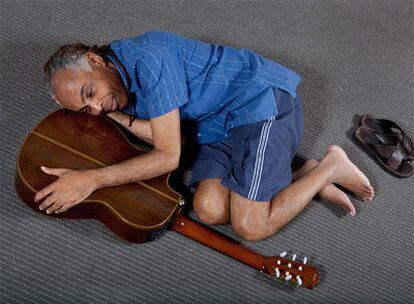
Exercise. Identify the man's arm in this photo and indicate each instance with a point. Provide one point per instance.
(162, 159)
(74, 186)
(140, 128)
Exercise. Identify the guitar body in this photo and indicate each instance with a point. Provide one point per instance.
(137, 212)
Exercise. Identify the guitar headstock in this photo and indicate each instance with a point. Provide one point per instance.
(292, 270)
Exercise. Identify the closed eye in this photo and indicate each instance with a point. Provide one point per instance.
(84, 109)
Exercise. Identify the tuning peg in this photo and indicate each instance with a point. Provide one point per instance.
(294, 257)
(305, 260)
(283, 254)
(288, 276)
(299, 280)
(277, 272)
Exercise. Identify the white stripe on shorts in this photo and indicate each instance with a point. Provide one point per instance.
(260, 154)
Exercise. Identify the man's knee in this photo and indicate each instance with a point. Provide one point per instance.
(208, 212)
(250, 219)
(211, 204)
(250, 231)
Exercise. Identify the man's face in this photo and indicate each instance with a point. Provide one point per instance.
(95, 92)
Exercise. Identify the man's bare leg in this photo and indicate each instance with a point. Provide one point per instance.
(212, 200)
(255, 221)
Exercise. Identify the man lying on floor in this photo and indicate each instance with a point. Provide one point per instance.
(249, 124)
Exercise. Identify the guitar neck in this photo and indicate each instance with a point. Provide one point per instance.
(220, 242)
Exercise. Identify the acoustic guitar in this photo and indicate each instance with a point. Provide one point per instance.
(136, 212)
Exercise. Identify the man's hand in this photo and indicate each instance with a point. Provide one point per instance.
(72, 187)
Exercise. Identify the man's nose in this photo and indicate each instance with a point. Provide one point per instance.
(96, 104)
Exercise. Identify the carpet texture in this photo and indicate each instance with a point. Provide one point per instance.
(355, 57)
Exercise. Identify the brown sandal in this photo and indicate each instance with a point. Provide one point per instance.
(390, 156)
(386, 130)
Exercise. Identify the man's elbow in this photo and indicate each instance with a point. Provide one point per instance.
(173, 161)
(169, 157)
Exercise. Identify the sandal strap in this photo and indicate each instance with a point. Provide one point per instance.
(393, 155)
(406, 141)
(408, 145)
(387, 125)
(387, 138)
(394, 138)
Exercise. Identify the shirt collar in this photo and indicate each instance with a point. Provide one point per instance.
(125, 78)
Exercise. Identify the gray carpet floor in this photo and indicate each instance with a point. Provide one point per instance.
(354, 57)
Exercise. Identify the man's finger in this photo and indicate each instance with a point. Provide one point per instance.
(43, 193)
(48, 202)
(53, 171)
(64, 207)
(55, 206)
(56, 100)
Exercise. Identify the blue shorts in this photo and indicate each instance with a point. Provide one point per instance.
(255, 160)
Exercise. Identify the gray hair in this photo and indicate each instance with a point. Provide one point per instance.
(68, 56)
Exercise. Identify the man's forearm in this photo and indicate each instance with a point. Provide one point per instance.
(142, 167)
(140, 128)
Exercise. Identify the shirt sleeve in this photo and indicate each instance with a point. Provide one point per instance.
(161, 76)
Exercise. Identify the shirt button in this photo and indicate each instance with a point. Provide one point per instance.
(198, 134)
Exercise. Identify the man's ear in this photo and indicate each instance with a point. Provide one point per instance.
(94, 58)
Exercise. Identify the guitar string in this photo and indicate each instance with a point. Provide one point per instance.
(97, 162)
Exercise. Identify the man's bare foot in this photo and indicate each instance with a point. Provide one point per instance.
(347, 174)
(330, 192)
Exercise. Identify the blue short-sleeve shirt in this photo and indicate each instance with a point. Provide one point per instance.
(216, 86)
